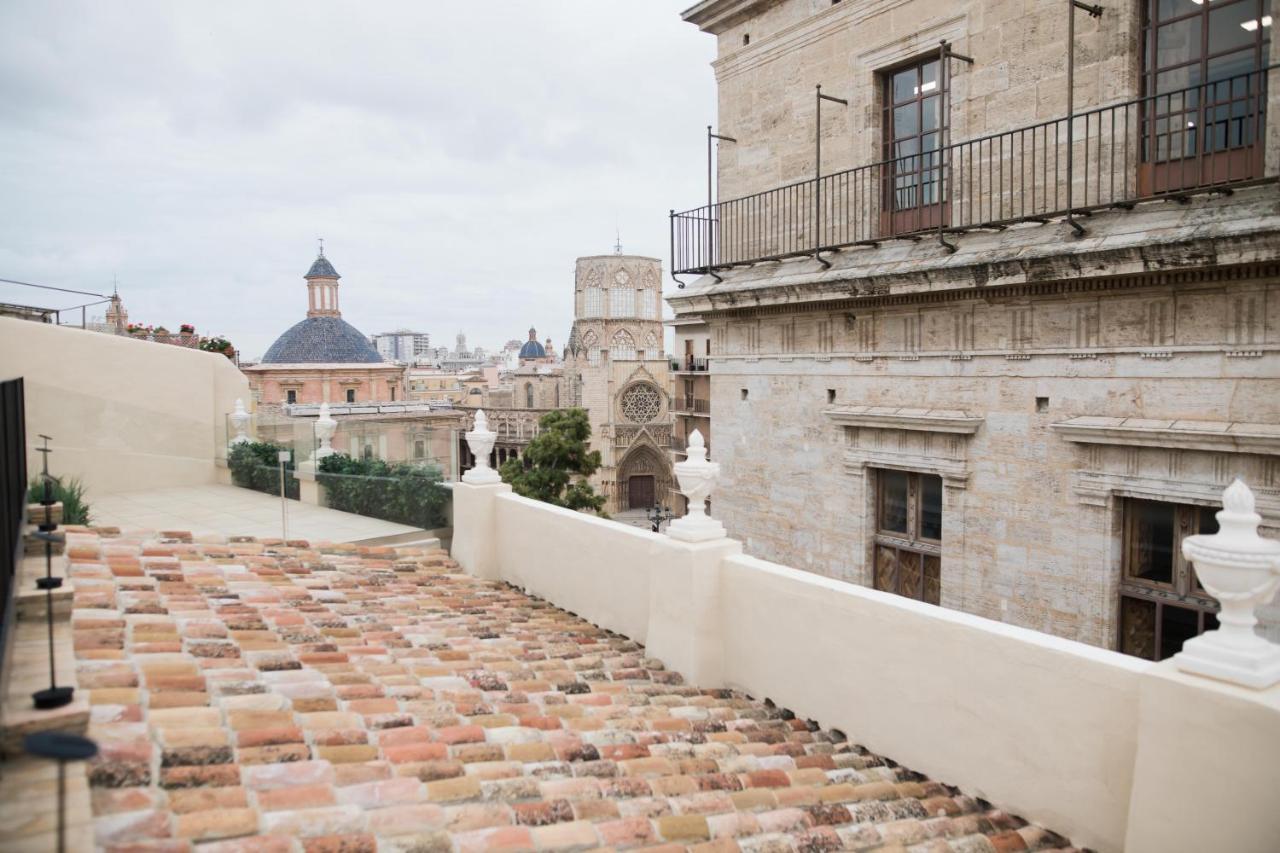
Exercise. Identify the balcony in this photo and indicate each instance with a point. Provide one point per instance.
(690, 365)
(691, 406)
(1207, 138)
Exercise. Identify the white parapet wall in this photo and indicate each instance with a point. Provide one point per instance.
(1043, 724)
(123, 414)
(1115, 752)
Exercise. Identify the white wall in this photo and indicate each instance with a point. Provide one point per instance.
(596, 568)
(1043, 725)
(123, 414)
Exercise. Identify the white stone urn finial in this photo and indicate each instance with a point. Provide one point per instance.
(240, 421)
(1242, 570)
(697, 478)
(325, 427)
(481, 440)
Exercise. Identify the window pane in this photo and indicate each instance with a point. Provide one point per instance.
(1138, 627)
(886, 569)
(932, 579)
(906, 121)
(1151, 551)
(1178, 43)
(909, 574)
(1227, 26)
(929, 75)
(904, 84)
(1177, 625)
(893, 501)
(1177, 8)
(931, 109)
(930, 507)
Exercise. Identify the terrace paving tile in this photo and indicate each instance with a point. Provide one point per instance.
(261, 695)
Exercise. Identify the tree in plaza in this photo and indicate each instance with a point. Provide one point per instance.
(557, 462)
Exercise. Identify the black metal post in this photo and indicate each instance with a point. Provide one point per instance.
(53, 696)
(817, 173)
(945, 55)
(62, 747)
(1094, 12)
(711, 211)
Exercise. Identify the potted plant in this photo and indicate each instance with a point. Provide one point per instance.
(137, 330)
(161, 334)
(219, 344)
(187, 334)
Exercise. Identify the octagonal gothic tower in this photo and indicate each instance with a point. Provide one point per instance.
(616, 369)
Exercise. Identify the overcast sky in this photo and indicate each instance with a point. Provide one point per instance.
(456, 157)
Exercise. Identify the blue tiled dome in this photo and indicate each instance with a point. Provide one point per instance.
(322, 340)
(532, 349)
(322, 269)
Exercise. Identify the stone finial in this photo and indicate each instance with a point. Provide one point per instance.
(240, 422)
(481, 440)
(697, 478)
(1242, 570)
(325, 427)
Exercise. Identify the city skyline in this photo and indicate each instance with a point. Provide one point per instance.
(171, 173)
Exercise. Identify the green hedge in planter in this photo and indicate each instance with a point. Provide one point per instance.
(401, 492)
(255, 466)
(75, 509)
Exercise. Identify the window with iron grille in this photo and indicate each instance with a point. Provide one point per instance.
(1162, 604)
(908, 537)
(593, 302)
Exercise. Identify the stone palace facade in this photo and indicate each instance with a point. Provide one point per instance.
(942, 369)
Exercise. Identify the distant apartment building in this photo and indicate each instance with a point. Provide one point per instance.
(1003, 345)
(404, 346)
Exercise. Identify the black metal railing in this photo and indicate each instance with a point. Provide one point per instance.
(690, 365)
(1203, 138)
(694, 405)
(13, 502)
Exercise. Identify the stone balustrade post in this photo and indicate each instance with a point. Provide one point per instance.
(325, 427)
(475, 537)
(1242, 570)
(697, 478)
(240, 422)
(481, 440)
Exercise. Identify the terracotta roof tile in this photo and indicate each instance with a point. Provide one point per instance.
(249, 694)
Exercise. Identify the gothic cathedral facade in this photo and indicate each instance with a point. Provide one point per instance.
(616, 369)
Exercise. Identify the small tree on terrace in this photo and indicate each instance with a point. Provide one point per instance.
(557, 462)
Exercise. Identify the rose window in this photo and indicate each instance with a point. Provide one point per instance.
(641, 404)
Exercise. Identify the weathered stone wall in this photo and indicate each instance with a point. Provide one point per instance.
(766, 87)
(1020, 541)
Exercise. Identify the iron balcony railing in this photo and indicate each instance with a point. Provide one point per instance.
(1203, 138)
(692, 405)
(690, 365)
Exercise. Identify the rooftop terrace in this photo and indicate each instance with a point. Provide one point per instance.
(331, 697)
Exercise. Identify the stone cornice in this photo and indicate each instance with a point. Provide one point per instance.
(921, 420)
(1214, 436)
(715, 16)
(1156, 244)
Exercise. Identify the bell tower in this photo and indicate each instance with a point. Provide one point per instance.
(322, 287)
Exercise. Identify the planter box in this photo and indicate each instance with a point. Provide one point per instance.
(35, 513)
(33, 547)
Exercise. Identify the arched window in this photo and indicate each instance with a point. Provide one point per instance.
(645, 299)
(622, 302)
(623, 346)
(528, 395)
(593, 302)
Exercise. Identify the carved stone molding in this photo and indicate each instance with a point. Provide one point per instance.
(1215, 436)
(924, 420)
